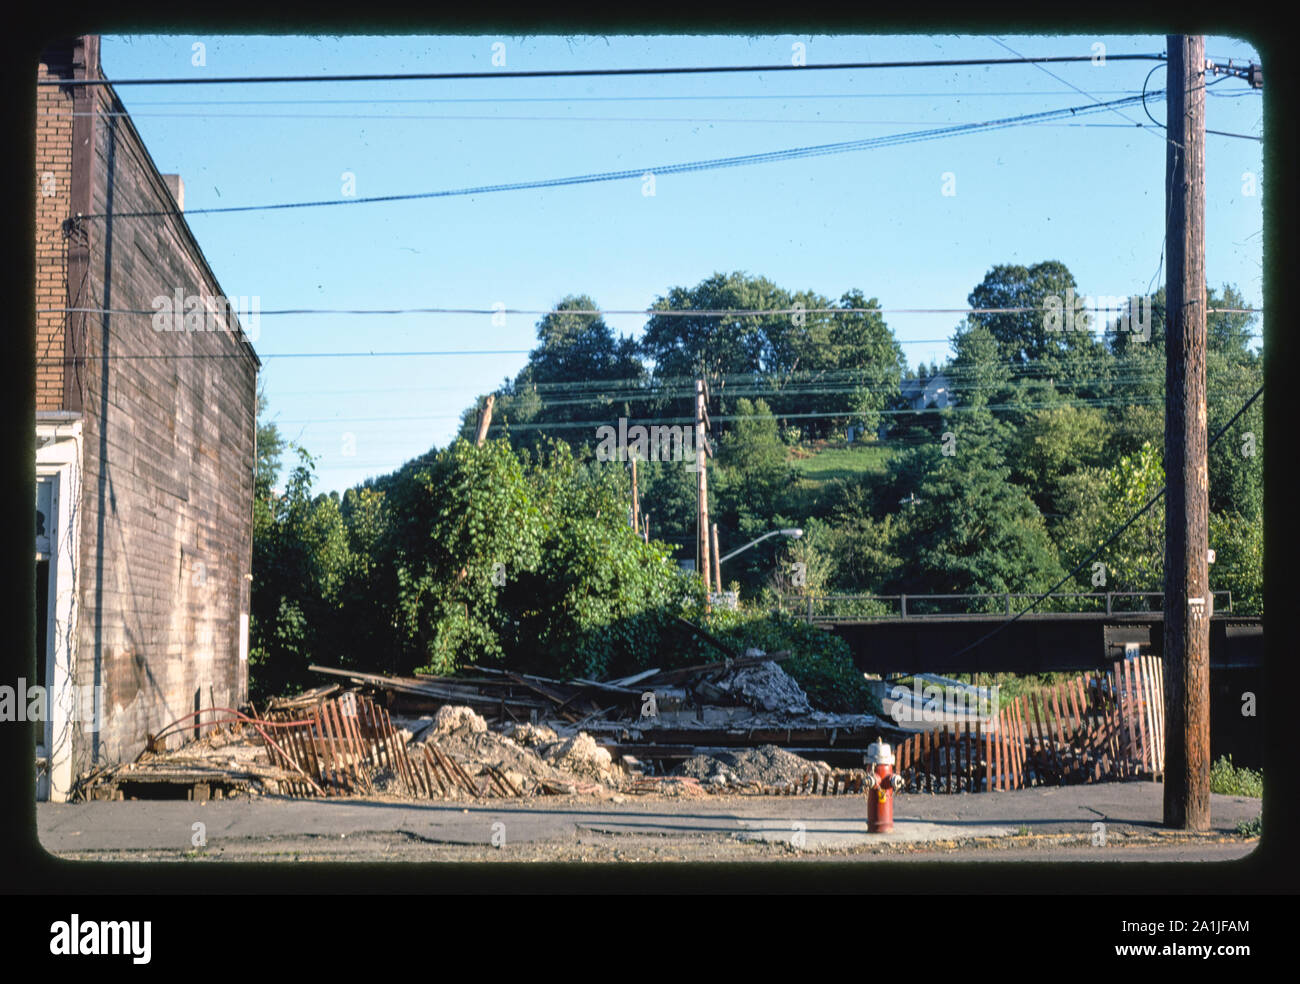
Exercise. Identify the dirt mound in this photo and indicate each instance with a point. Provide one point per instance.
(766, 765)
(581, 756)
(456, 718)
(534, 760)
(533, 735)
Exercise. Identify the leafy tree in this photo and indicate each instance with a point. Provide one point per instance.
(1055, 443)
(755, 471)
(1096, 504)
(579, 372)
(973, 532)
(1238, 545)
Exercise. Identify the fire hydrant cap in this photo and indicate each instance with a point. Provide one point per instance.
(879, 753)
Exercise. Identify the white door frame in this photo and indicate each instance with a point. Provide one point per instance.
(58, 457)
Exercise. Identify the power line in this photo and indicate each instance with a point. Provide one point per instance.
(742, 160)
(56, 360)
(584, 72)
(1127, 119)
(453, 117)
(733, 97)
(646, 312)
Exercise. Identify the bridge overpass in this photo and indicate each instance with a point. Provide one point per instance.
(919, 637)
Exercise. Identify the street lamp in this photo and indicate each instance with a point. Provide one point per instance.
(794, 534)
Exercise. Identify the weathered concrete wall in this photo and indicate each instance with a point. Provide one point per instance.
(170, 419)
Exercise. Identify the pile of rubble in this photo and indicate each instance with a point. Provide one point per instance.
(741, 724)
(765, 766)
(532, 758)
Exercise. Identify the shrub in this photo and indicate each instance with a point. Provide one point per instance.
(1234, 781)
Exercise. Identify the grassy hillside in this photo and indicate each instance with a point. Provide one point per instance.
(826, 461)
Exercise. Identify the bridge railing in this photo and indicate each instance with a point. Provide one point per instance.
(864, 607)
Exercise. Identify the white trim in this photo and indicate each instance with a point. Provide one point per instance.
(60, 459)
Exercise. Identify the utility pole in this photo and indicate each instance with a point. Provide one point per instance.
(1186, 598)
(702, 484)
(484, 421)
(717, 568)
(636, 502)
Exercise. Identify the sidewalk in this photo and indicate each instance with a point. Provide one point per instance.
(729, 824)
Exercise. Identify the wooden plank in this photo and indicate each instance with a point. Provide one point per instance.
(1032, 749)
(1022, 741)
(1080, 697)
(1140, 707)
(1085, 701)
(1149, 696)
(1074, 716)
(931, 758)
(982, 746)
(946, 737)
(1015, 775)
(321, 748)
(998, 778)
(925, 759)
(399, 750)
(343, 744)
(363, 752)
(1117, 712)
(1008, 748)
(1022, 712)
(1158, 712)
(969, 751)
(1048, 758)
(1062, 755)
(1130, 718)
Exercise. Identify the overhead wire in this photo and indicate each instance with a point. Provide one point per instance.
(740, 160)
(584, 72)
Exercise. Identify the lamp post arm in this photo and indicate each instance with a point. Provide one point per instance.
(752, 543)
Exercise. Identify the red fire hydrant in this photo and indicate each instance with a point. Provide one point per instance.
(881, 785)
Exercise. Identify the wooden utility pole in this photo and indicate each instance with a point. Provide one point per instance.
(636, 502)
(1187, 594)
(702, 484)
(484, 421)
(717, 568)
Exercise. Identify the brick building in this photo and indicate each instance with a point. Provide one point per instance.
(145, 434)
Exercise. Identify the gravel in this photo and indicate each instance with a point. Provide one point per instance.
(766, 765)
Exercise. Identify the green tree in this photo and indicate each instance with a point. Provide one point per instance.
(973, 531)
(1238, 545)
(1098, 503)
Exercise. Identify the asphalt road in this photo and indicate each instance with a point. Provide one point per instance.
(1036, 824)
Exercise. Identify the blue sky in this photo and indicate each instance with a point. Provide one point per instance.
(1090, 196)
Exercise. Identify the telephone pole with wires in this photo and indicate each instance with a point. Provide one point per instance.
(1187, 601)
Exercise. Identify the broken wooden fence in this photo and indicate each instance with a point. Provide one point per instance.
(338, 744)
(1090, 728)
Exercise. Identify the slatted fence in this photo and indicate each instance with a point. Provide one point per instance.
(1090, 728)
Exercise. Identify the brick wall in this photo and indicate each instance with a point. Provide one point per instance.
(169, 429)
(53, 188)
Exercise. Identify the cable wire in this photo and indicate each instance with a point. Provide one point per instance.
(741, 160)
(584, 72)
